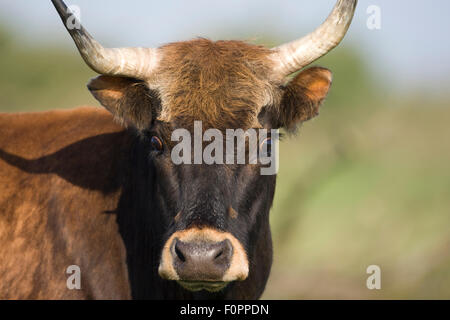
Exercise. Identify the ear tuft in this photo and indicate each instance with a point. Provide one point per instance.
(302, 97)
(129, 100)
(316, 82)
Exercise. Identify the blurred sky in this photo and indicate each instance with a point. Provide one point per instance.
(412, 49)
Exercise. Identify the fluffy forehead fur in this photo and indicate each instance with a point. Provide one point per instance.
(224, 84)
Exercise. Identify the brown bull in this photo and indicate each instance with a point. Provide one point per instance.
(77, 188)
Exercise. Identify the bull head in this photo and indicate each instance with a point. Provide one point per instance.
(215, 217)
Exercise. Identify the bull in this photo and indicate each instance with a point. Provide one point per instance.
(97, 188)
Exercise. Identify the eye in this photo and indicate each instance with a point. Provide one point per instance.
(265, 148)
(156, 143)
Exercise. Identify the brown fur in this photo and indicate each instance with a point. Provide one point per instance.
(233, 214)
(57, 180)
(225, 83)
(129, 100)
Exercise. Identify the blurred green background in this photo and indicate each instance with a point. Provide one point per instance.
(365, 183)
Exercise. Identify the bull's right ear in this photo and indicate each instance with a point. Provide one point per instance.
(129, 100)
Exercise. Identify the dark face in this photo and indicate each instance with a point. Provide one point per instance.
(214, 217)
(213, 214)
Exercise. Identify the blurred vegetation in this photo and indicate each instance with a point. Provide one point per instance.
(367, 182)
(35, 78)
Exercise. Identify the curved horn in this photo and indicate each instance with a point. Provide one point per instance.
(299, 53)
(129, 62)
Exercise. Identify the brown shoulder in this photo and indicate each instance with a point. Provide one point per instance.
(33, 131)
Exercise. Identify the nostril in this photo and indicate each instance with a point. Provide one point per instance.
(180, 254)
(224, 251)
(219, 254)
(178, 251)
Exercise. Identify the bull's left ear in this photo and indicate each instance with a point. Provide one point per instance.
(129, 100)
(302, 98)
